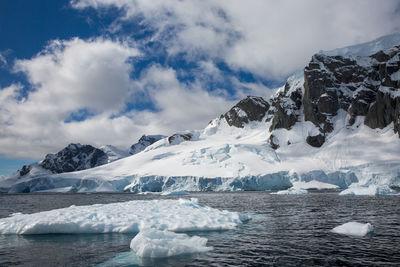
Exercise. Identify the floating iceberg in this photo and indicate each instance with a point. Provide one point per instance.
(313, 184)
(125, 217)
(292, 191)
(151, 243)
(354, 229)
(371, 190)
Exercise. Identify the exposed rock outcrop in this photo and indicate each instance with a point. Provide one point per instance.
(144, 141)
(179, 138)
(285, 106)
(251, 108)
(316, 140)
(362, 86)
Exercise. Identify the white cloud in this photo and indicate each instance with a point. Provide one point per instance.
(76, 74)
(73, 76)
(271, 39)
(184, 107)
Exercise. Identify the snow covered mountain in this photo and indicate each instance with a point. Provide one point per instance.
(76, 157)
(336, 124)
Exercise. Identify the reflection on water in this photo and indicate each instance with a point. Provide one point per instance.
(286, 231)
(129, 258)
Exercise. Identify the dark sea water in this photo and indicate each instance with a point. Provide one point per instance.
(285, 231)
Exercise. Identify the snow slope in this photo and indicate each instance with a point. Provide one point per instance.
(366, 49)
(227, 158)
(113, 153)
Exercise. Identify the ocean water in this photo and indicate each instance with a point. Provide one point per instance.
(286, 230)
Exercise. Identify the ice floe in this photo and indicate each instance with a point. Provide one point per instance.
(124, 217)
(354, 229)
(292, 191)
(314, 185)
(151, 243)
(371, 190)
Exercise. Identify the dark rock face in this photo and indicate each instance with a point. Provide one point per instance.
(251, 108)
(177, 138)
(286, 106)
(362, 86)
(144, 141)
(324, 92)
(74, 157)
(382, 112)
(316, 141)
(25, 170)
(273, 142)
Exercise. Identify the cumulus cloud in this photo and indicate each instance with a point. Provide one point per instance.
(92, 77)
(271, 39)
(76, 74)
(178, 107)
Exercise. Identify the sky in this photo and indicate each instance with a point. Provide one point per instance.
(108, 71)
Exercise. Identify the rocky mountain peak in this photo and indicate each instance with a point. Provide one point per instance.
(74, 157)
(359, 85)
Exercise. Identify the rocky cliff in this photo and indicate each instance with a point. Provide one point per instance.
(366, 86)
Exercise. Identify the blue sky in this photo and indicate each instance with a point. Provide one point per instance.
(107, 71)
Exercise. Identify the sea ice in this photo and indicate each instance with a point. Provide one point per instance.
(354, 229)
(124, 217)
(151, 243)
(292, 191)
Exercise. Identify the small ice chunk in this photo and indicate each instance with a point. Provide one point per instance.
(292, 191)
(354, 229)
(152, 243)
